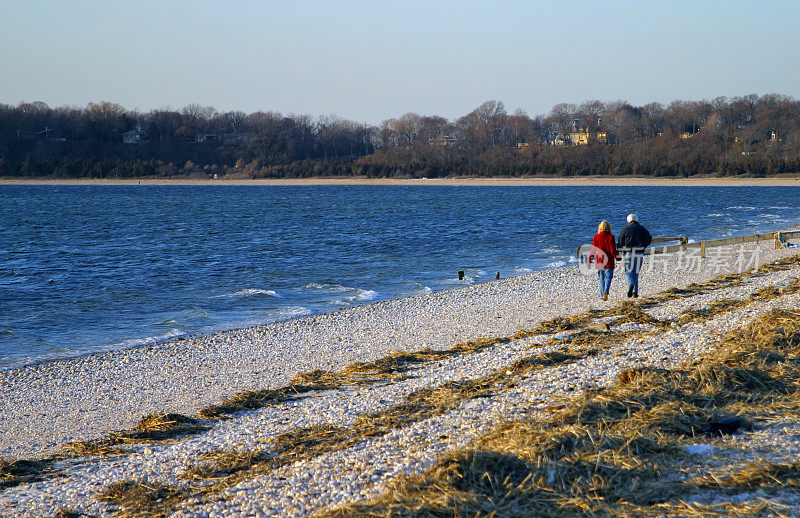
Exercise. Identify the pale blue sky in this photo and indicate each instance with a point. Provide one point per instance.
(372, 60)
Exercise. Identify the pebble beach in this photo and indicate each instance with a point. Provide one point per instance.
(47, 406)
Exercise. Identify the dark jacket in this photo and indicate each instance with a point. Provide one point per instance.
(604, 251)
(634, 238)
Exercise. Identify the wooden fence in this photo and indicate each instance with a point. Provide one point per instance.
(780, 239)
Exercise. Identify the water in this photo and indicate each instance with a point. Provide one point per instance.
(93, 268)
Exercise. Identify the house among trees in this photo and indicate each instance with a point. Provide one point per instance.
(443, 141)
(224, 137)
(34, 134)
(580, 136)
(134, 137)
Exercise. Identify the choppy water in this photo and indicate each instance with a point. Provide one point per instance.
(92, 268)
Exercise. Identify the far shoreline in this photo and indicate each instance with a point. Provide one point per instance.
(589, 181)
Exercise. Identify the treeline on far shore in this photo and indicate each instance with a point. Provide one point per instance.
(742, 136)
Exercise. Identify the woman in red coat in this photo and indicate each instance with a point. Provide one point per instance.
(604, 251)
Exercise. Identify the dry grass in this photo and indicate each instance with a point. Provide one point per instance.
(615, 451)
(142, 498)
(307, 443)
(752, 476)
(151, 428)
(218, 464)
(710, 311)
(13, 473)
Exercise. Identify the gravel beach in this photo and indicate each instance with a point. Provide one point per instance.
(46, 406)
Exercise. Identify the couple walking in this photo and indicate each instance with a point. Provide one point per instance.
(606, 250)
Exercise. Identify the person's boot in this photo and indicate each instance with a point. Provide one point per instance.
(636, 294)
(630, 290)
(605, 296)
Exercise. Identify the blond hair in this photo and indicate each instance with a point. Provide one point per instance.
(604, 225)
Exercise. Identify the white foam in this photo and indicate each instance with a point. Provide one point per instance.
(465, 281)
(173, 332)
(354, 294)
(367, 295)
(288, 312)
(248, 292)
(328, 288)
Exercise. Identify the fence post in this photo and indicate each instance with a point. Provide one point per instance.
(703, 249)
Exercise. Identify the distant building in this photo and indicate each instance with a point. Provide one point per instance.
(578, 136)
(444, 141)
(205, 137)
(522, 146)
(685, 134)
(24, 134)
(134, 137)
(221, 137)
(234, 137)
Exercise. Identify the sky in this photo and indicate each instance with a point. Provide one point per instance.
(373, 60)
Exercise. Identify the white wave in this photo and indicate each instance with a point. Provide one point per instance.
(741, 207)
(328, 288)
(555, 264)
(136, 342)
(520, 270)
(248, 292)
(364, 295)
(288, 312)
(416, 289)
(354, 295)
(716, 215)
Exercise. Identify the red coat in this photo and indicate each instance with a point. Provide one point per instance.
(604, 250)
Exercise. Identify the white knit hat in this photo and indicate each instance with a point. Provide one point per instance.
(632, 217)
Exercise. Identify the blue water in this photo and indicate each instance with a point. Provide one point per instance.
(92, 268)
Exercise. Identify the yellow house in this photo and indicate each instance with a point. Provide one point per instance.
(579, 136)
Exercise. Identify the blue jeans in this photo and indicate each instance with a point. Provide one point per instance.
(633, 264)
(605, 277)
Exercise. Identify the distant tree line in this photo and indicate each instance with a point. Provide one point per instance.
(750, 135)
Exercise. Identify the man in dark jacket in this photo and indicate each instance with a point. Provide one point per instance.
(632, 241)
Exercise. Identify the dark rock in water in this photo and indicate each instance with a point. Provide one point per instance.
(725, 426)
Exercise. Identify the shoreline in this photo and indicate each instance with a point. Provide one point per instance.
(200, 334)
(598, 181)
(81, 398)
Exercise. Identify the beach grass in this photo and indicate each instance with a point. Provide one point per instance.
(617, 450)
